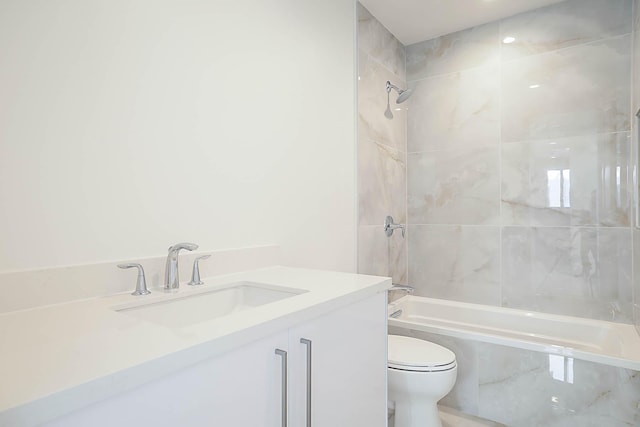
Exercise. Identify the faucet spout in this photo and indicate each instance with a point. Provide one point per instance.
(171, 276)
(406, 288)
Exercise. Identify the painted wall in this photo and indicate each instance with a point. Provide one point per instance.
(382, 151)
(519, 162)
(129, 126)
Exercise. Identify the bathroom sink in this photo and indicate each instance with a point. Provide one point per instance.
(185, 310)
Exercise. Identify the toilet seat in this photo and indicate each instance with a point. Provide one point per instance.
(412, 354)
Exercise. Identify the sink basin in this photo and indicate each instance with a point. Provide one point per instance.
(185, 310)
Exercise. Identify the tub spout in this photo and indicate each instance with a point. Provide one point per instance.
(406, 288)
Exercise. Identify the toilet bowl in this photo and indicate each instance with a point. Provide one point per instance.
(420, 373)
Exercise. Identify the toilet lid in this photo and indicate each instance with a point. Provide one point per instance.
(413, 354)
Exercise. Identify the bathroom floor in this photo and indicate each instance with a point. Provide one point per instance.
(452, 418)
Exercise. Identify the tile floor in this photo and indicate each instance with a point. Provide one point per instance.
(452, 418)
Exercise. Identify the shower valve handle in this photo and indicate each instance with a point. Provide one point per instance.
(390, 226)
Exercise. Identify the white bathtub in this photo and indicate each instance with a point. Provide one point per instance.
(597, 341)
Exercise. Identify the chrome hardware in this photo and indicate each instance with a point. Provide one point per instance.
(403, 95)
(171, 276)
(406, 288)
(195, 275)
(308, 344)
(283, 354)
(390, 226)
(396, 314)
(141, 283)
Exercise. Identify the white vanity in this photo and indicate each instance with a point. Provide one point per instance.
(271, 347)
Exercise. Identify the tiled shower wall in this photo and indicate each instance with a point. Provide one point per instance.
(636, 134)
(519, 162)
(491, 130)
(382, 151)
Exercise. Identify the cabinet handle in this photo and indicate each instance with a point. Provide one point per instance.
(283, 354)
(308, 344)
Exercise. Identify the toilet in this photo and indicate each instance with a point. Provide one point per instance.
(420, 373)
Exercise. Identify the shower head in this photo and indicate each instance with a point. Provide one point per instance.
(403, 94)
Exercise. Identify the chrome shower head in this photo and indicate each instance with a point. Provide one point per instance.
(403, 94)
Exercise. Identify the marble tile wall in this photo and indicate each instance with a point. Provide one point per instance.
(382, 151)
(635, 107)
(519, 162)
(525, 388)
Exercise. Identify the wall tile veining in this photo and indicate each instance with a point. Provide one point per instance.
(520, 181)
(382, 150)
(635, 106)
(520, 178)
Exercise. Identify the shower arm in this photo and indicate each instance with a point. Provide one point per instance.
(392, 86)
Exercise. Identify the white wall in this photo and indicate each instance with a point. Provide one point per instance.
(126, 126)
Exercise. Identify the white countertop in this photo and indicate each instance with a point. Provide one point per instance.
(59, 358)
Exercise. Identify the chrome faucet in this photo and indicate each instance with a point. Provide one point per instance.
(171, 277)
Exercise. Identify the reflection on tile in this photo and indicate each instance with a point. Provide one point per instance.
(532, 389)
(382, 183)
(505, 371)
(454, 186)
(572, 181)
(584, 272)
(454, 52)
(524, 388)
(372, 103)
(455, 109)
(375, 40)
(576, 91)
(564, 24)
(455, 262)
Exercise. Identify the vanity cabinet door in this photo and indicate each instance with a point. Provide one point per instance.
(348, 367)
(240, 388)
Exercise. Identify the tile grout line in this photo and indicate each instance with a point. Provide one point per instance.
(500, 219)
(382, 65)
(356, 149)
(634, 158)
(406, 178)
(521, 142)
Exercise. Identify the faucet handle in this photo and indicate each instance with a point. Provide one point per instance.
(195, 275)
(390, 226)
(141, 284)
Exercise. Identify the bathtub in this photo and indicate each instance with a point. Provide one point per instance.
(608, 343)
